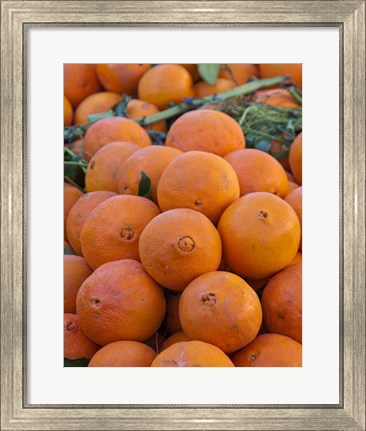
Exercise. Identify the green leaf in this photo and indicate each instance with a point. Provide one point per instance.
(145, 185)
(95, 117)
(263, 145)
(209, 72)
(82, 362)
(68, 250)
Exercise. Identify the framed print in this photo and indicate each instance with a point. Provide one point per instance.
(327, 39)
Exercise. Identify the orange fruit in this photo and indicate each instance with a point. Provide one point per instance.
(175, 338)
(68, 113)
(206, 130)
(272, 70)
(112, 229)
(297, 259)
(139, 109)
(192, 354)
(294, 199)
(204, 89)
(193, 70)
(292, 186)
(257, 171)
(257, 284)
(76, 271)
(79, 213)
(76, 343)
(200, 181)
(295, 158)
(270, 350)
(282, 303)
(71, 195)
(113, 129)
(276, 150)
(290, 177)
(77, 147)
(121, 78)
(220, 308)
(104, 165)
(260, 234)
(172, 321)
(151, 160)
(123, 354)
(179, 245)
(95, 104)
(276, 97)
(119, 301)
(238, 73)
(164, 84)
(80, 81)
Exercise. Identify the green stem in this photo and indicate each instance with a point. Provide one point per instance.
(72, 182)
(295, 95)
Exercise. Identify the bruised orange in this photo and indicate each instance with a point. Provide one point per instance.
(76, 271)
(121, 78)
(95, 104)
(76, 344)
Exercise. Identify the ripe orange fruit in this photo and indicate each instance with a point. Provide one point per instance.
(123, 354)
(71, 195)
(76, 271)
(113, 129)
(282, 303)
(79, 213)
(290, 177)
(103, 167)
(119, 301)
(257, 171)
(95, 104)
(292, 186)
(220, 308)
(112, 229)
(297, 259)
(238, 73)
(200, 181)
(272, 70)
(192, 354)
(164, 84)
(139, 109)
(175, 338)
(260, 234)
(80, 81)
(121, 78)
(295, 158)
(294, 199)
(204, 89)
(270, 350)
(276, 97)
(172, 321)
(206, 130)
(76, 343)
(179, 245)
(193, 70)
(68, 112)
(151, 160)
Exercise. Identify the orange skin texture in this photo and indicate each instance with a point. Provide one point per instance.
(172, 321)
(152, 160)
(200, 181)
(112, 229)
(113, 129)
(139, 109)
(204, 89)
(71, 195)
(282, 303)
(292, 186)
(76, 271)
(123, 354)
(175, 338)
(193, 70)
(297, 259)
(294, 199)
(257, 171)
(206, 130)
(178, 246)
(76, 343)
(295, 158)
(119, 301)
(68, 113)
(80, 81)
(220, 308)
(95, 104)
(270, 350)
(79, 213)
(121, 78)
(272, 70)
(103, 168)
(192, 354)
(164, 84)
(260, 235)
(290, 177)
(276, 97)
(240, 72)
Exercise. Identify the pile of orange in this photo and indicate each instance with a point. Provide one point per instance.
(186, 254)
